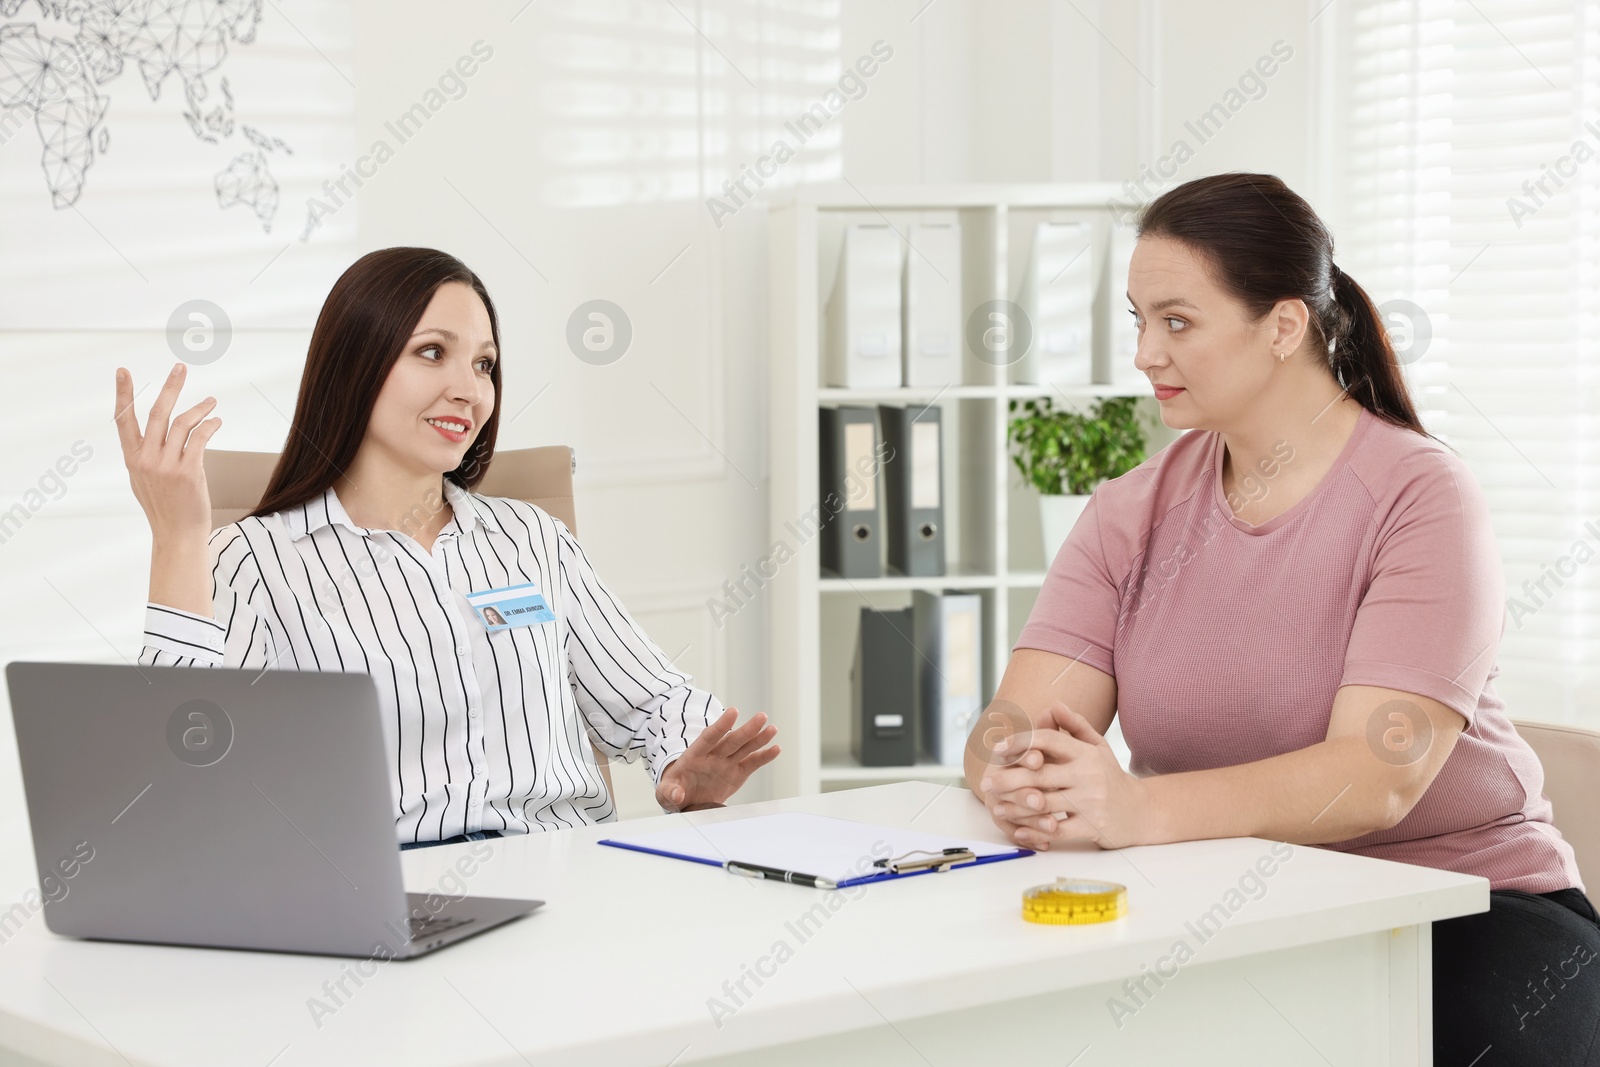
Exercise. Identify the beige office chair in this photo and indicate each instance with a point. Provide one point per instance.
(541, 476)
(1571, 758)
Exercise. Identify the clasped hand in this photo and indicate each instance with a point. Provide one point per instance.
(1061, 782)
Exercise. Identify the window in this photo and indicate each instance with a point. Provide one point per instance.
(664, 102)
(1467, 177)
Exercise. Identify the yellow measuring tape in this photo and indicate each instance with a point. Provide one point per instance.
(1072, 900)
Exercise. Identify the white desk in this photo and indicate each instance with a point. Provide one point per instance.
(1330, 964)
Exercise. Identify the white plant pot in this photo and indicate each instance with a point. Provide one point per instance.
(1057, 514)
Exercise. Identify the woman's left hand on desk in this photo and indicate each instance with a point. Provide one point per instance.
(717, 762)
(1071, 769)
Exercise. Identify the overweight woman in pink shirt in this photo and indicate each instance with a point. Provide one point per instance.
(1296, 610)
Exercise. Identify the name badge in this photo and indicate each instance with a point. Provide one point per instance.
(512, 605)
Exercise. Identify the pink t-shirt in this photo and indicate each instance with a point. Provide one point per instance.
(1228, 641)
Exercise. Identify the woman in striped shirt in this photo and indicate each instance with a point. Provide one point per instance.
(362, 553)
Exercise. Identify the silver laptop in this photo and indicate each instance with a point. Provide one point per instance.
(223, 807)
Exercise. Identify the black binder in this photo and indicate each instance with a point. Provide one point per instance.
(913, 474)
(851, 496)
(883, 679)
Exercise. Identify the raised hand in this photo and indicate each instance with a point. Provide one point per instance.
(164, 462)
(717, 762)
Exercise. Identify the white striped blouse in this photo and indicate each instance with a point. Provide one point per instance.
(487, 730)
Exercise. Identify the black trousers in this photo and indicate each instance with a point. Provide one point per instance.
(1519, 984)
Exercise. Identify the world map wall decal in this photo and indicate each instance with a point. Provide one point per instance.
(55, 79)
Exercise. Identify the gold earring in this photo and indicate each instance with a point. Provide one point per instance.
(1282, 356)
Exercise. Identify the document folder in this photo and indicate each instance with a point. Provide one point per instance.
(1114, 357)
(861, 323)
(1057, 294)
(913, 479)
(852, 539)
(948, 630)
(883, 678)
(931, 305)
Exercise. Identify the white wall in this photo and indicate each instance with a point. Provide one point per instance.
(575, 167)
(1046, 90)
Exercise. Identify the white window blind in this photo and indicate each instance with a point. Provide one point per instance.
(1451, 106)
(652, 103)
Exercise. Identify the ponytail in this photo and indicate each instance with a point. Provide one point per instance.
(1362, 356)
(1267, 244)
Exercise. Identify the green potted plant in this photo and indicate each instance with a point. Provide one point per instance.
(1064, 454)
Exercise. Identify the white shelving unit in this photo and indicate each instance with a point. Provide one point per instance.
(992, 525)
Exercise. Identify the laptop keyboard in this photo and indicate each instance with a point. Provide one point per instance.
(431, 926)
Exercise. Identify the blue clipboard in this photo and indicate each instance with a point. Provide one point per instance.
(810, 849)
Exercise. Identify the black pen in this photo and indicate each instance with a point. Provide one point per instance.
(755, 870)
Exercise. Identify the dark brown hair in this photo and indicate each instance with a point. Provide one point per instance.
(1264, 243)
(363, 327)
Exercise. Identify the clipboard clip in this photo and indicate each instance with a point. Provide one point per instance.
(939, 861)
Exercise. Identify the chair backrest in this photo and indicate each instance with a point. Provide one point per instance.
(1571, 758)
(543, 476)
